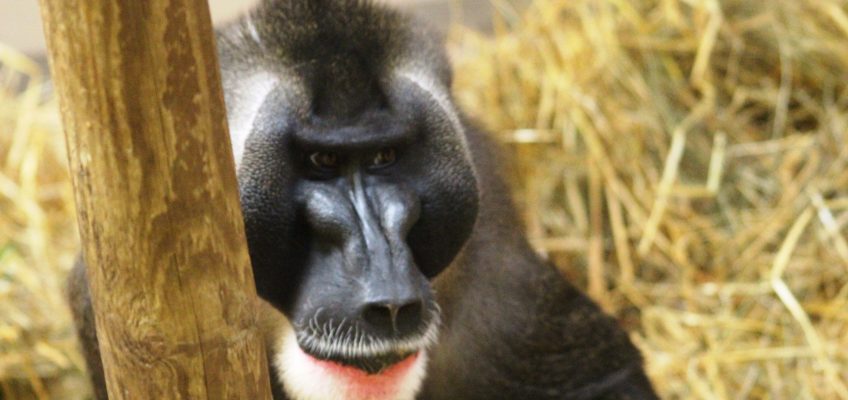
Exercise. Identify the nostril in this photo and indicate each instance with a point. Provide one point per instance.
(378, 315)
(409, 317)
(394, 317)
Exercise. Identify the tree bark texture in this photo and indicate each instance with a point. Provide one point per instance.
(157, 200)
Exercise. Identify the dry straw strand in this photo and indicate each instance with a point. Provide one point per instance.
(719, 131)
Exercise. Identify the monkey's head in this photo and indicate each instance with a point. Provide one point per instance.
(356, 183)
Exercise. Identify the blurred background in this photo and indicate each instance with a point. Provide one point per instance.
(20, 21)
(683, 161)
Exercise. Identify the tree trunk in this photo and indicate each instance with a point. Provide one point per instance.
(157, 201)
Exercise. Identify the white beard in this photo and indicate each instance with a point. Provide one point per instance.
(304, 378)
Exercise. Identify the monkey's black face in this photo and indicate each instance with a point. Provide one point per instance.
(348, 220)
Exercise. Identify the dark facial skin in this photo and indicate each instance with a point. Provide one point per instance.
(348, 238)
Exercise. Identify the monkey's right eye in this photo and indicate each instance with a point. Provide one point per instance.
(324, 161)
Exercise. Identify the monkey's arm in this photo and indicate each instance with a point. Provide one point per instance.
(80, 301)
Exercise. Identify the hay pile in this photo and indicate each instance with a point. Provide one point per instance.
(686, 161)
(38, 241)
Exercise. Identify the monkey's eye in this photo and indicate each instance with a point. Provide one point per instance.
(383, 158)
(324, 160)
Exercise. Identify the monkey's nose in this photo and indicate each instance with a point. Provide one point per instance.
(394, 318)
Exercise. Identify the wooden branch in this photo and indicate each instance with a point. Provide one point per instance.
(143, 112)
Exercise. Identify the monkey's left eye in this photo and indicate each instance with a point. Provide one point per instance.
(324, 160)
(383, 158)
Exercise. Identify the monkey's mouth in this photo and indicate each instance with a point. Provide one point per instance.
(367, 354)
(372, 365)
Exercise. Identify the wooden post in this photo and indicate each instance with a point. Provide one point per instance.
(163, 236)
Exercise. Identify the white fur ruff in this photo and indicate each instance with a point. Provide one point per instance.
(253, 93)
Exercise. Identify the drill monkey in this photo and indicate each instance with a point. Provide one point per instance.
(382, 237)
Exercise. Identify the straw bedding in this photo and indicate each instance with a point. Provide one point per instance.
(684, 161)
(38, 240)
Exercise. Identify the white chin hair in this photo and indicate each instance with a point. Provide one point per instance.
(305, 379)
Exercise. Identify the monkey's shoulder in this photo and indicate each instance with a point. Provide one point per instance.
(531, 334)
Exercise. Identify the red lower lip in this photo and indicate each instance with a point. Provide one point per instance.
(352, 383)
(359, 376)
